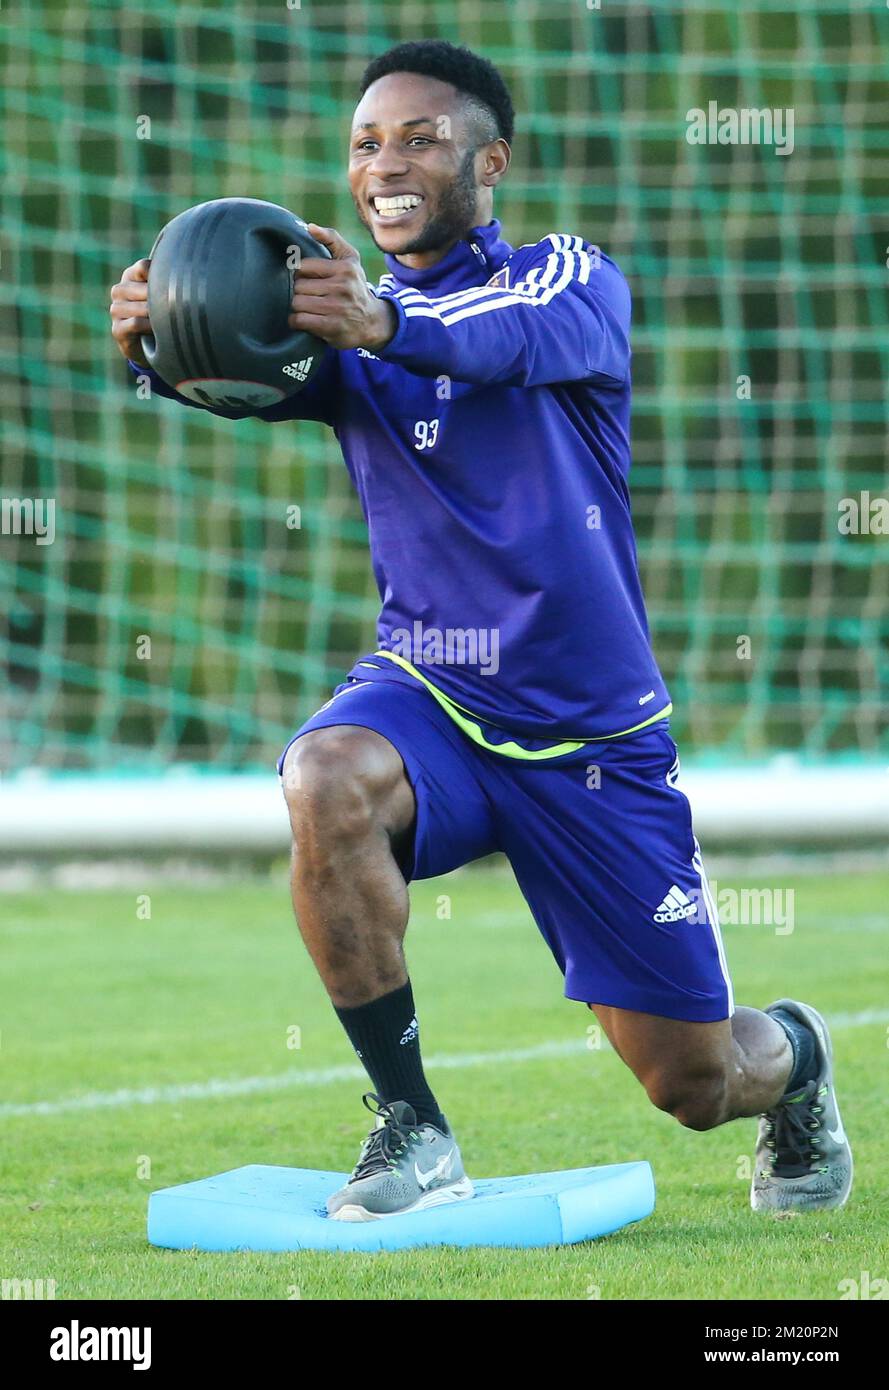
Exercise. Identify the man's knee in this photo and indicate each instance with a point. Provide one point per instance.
(344, 782)
(697, 1098)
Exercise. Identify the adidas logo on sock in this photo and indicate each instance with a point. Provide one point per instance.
(410, 1032)
(675, 907)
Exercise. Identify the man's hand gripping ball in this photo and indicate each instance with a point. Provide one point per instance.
(334, 301)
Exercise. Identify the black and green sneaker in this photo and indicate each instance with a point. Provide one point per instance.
(803, 1160)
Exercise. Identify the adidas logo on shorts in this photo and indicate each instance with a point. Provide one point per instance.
(675, 907)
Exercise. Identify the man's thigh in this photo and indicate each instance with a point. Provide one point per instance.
(649, 1044)
(454, 822)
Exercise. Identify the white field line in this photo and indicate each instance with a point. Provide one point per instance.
(860, 1020)
(325, 1076)
(283, 1081)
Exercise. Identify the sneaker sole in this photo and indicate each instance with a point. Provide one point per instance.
(440, 1196)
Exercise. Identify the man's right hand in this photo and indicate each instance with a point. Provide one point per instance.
(129, 311)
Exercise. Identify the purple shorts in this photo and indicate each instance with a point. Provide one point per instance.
(600, 841)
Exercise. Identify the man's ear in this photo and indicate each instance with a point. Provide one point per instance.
(496, 162)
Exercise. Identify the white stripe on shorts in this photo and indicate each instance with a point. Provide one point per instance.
(713, 917)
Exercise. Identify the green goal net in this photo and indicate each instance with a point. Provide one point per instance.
(178, 614)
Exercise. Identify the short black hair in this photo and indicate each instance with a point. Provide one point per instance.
(472, 75)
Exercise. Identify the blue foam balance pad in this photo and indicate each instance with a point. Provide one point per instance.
(265, 1208)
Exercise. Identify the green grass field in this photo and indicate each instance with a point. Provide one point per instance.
(96, 1000)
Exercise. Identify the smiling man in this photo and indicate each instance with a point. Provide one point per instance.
(481, 397)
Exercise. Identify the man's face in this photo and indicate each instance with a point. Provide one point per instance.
(412, 165)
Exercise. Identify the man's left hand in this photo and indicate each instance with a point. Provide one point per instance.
(334, 301)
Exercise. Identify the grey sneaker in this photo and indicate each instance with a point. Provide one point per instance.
(402, 1167)
(803, 1159)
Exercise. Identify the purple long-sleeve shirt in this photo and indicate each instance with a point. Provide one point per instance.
(489, 446)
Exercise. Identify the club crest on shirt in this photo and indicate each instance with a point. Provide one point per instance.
(501, 279)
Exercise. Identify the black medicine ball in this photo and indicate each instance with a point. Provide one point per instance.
(219, 292)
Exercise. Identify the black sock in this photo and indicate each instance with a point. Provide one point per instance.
(385, 1035)
(802, 1040)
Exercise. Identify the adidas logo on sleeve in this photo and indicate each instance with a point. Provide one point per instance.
(676, 906)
